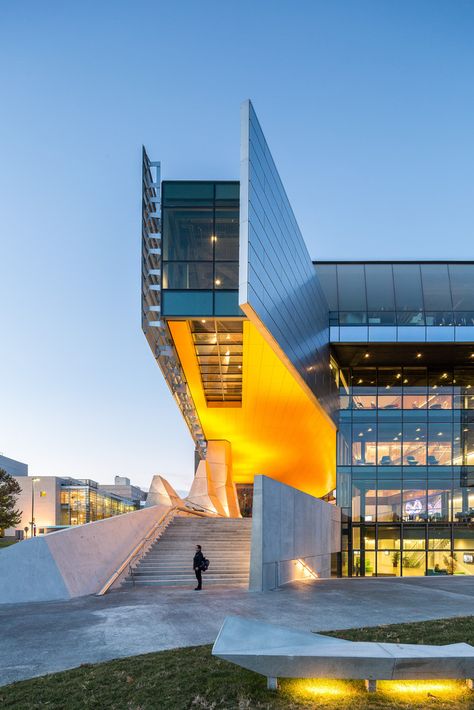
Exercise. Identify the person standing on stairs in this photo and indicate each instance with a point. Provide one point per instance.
(198, 563)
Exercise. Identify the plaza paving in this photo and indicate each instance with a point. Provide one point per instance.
(50, 636)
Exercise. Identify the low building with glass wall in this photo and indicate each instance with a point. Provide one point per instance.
(353, 377)
(49, 503)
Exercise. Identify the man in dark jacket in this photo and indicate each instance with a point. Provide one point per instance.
(197, 565)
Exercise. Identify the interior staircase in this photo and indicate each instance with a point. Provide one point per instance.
(169, 561)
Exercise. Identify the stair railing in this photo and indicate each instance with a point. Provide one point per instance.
(153, 534)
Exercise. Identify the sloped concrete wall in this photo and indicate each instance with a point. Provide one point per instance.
(289, 526)
(73, 562)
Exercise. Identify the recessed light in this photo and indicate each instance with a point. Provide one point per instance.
(405, 381)
(213, 238)
(418, 429)
(444, 375)
(367, 355)
(359, 382)
(387, 387)
(369, 429)
(203, 321)
(440, 433)
(218, 282)
(418, 355)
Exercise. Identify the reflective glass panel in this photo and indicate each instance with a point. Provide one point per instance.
(351, 287)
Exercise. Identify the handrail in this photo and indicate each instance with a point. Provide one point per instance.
(135, 551)
(152, 533)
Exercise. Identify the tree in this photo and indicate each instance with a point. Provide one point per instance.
(9, 490)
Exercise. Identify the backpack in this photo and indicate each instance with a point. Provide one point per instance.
(204, 565)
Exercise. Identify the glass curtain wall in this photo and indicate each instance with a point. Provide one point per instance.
(406, 470)
(399, 301)
(200, 248)
(84, 504)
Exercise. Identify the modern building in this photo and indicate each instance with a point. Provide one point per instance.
(13, 467)
(345, 379)
(124, 489)
(53, 503)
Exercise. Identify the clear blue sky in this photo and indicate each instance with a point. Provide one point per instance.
(368, 107)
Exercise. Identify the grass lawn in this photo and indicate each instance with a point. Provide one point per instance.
(6, 543)
(191, 679)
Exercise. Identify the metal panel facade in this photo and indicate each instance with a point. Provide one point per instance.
(277, 279)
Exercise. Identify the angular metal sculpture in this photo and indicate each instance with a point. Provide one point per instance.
(276, 651)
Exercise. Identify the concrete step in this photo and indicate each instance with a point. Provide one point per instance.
(187, 584)
(225, 542)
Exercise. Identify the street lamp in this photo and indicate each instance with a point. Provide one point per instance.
(33, 481)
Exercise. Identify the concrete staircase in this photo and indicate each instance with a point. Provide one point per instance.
(169, 561)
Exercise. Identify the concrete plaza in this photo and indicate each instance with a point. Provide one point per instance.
(45, 637)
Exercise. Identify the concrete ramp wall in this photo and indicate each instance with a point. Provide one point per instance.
(73, 562)
(293, 535)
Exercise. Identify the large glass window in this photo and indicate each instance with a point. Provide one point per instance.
(351, 288)
(408, 293)
(407, 465)
(200, 225)
(379, 284)
(187, 233)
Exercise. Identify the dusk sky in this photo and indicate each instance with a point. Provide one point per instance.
(368, 108)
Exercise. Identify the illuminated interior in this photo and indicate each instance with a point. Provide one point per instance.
(278, 431)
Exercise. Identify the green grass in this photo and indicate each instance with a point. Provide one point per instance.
(6, 543)
(191, 679)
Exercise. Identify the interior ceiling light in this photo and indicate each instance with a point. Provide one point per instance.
(418, 355)
(367, 355)
(398, 375)
(218, 282)
(387, 387)
(213, 238)
(405, 381)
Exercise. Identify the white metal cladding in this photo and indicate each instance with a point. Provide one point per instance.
(154, 326)
(277, 278)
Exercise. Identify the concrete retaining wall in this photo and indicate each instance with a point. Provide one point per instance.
(291, 531)
(73, 562)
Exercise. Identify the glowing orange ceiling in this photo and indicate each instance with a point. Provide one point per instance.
(279, 431)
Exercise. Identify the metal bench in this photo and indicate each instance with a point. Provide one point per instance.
(279, 652)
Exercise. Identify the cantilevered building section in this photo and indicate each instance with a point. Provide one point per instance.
(267, 353)
(225, 270)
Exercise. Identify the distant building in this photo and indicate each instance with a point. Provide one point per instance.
(54, 503)
(123, 488)
(13, 467)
